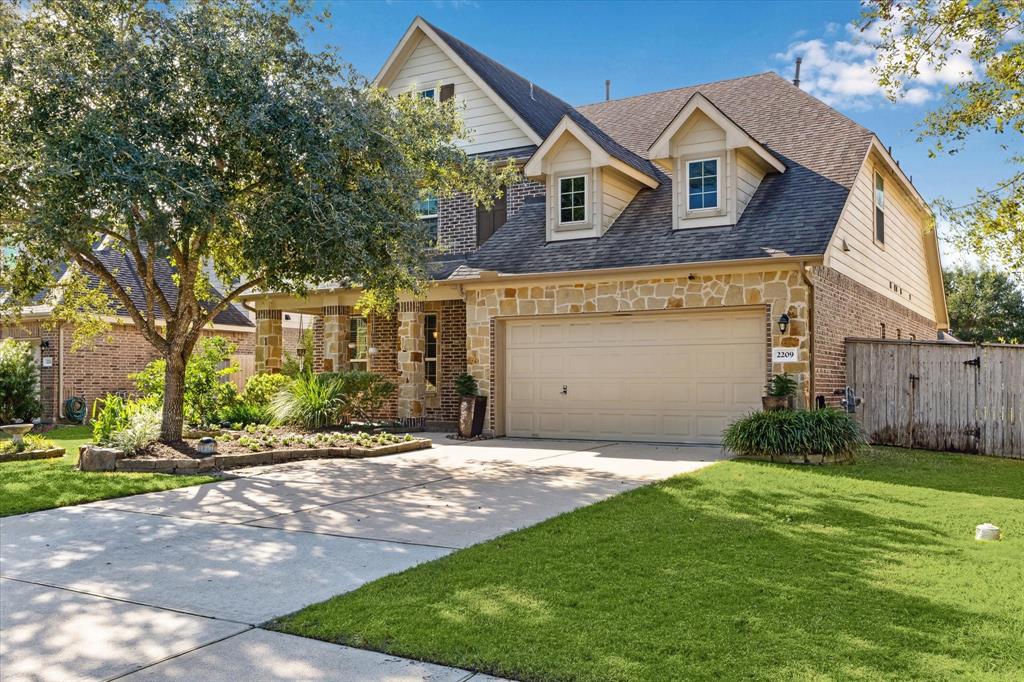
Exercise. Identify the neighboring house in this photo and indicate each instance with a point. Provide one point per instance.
(662, 257)
(103, 366)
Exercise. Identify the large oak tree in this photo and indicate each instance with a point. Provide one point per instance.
(208, 135)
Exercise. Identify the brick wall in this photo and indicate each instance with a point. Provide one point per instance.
(443, 406)
(842, 309)
(384, 337)
(456, 221)
(102, 367)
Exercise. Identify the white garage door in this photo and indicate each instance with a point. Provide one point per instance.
(673, 377)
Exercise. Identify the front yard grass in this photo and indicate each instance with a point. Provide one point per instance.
(742, 571)
(44, 484)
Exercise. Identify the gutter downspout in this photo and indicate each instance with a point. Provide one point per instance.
(60, 372)
(810, 330)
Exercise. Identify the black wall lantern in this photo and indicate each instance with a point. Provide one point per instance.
(783, 323)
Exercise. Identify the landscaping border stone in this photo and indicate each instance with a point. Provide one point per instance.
(110, 459)
(26, 455)
(802, 459)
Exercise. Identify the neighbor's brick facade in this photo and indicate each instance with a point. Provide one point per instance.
(846, 309)
(100, 368)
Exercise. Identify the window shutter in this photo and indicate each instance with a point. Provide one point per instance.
(447, 91)
(489, 220)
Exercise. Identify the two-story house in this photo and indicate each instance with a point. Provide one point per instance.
(662, 256)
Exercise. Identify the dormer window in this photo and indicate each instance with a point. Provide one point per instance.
(428, 93)
(702, 184)
(572, 196)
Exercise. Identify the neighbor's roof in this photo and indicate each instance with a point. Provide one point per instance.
(791, 214)
(122, 266)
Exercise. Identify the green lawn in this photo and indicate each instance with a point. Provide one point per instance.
(43, 484)
(741, 571)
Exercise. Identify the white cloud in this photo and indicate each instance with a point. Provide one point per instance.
(839, 70)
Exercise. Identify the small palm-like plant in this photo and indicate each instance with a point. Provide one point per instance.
(775, 434)
(311, 400)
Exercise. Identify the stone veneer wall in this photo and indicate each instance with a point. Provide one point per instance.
(456, 216)
(845, 309)
(778, 290)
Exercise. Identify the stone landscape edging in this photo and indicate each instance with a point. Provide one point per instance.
(26, 455)
(93, 458)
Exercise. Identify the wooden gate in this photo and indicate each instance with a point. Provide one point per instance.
(940, 396)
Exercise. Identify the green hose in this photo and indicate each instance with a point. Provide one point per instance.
(74, 409)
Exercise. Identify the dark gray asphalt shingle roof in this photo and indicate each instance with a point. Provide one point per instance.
(122, 266)
(538, 108)
(790, 214)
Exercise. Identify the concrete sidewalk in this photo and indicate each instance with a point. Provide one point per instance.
(173, 585)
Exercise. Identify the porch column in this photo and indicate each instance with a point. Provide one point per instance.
(268, 341)
(412, 388)
(336, 353)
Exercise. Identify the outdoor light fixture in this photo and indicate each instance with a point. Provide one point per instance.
(44, 344)
(351, 345)
(783, 323)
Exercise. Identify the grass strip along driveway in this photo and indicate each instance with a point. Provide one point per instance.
(44, 484)
(743, 570)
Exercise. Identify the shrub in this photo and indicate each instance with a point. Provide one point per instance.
(114, 413)
(142, 430)
(31, 441)
(783, 386)
(465, 385)
(311, 400)
(794, 432)
(18, 382)
(245, 413)
(260, 388)
(364, 393)
(206, 390)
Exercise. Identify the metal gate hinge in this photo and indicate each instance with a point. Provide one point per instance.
(976, 362)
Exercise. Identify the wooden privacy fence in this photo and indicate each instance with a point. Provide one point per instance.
(940, 396)
(246, 368)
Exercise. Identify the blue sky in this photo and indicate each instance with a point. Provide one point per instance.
(570, 48)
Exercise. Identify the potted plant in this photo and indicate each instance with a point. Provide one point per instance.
(781, 393)
(472, 407)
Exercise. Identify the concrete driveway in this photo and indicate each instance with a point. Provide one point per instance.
(173, 585)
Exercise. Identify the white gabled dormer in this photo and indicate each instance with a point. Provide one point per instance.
(424, 62)
(586, 186)
(715, 165)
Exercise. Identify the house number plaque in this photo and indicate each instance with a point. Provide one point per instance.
(784, 354)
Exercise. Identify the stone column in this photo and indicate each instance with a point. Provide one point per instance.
(412, 387)
(336, 353)
(268, 341)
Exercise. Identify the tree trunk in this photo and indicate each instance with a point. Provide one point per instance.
(174, 398)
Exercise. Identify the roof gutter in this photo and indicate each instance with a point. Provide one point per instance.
(493, 275)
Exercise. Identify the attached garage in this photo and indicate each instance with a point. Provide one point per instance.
(665, 377)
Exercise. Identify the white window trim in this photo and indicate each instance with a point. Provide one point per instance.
(432, 388)
(876, 176)
(586, 199)
(686, 186)
(434, 93)
(364, 363)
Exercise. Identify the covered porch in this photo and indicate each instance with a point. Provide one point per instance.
(421, 346)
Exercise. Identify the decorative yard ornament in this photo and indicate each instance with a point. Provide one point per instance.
(986, 532)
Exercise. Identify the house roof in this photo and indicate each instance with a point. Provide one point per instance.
(122, 266)
(791, 214)
(541, 110)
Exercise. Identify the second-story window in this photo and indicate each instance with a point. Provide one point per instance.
(702, 184)
(430, 333)
(429, 93)
(426, 211)
(879, 209)
(572, 195)
(358, 357)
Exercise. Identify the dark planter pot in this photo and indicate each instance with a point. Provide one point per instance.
(472, 409)
(771, 403)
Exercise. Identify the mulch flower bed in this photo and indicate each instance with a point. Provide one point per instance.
(253, 446)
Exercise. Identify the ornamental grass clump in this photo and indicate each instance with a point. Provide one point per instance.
(795, 433)
(312, 401)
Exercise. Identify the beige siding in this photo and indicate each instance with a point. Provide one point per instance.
(698, 136)
(901, 261)
(619, 190)
(570, 155)
(748, 177)
(427, 66)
